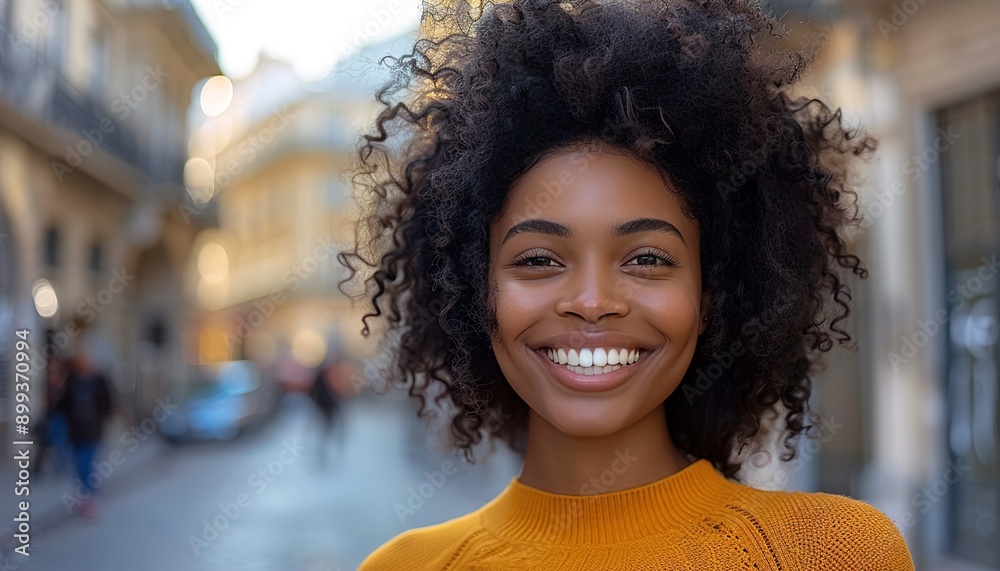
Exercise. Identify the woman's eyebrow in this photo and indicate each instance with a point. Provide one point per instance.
(645, 225)
(539, 226)
(617, 231)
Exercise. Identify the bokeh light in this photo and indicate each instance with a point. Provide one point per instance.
(309, 348)
(216, 95)
(213, 263)
(199, 180)
(44, 295)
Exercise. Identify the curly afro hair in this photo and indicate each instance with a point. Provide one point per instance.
(700, 90)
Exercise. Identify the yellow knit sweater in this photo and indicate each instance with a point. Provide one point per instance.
(692, 520)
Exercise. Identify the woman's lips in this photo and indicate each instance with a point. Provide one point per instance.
(592, 383)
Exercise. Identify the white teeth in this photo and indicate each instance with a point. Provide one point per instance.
(613, 357)
(593, 370)
(597, 361)
(600, 357)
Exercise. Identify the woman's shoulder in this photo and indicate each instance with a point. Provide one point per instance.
(827, 531)
(427, 547)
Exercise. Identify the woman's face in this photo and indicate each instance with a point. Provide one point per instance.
(593, 260)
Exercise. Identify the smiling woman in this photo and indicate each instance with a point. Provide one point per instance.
(560, 244)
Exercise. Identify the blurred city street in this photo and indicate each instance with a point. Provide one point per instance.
(301, 515)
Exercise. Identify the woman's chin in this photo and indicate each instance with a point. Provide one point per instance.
(583, 423)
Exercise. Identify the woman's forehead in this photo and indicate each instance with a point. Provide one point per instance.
(585, 185)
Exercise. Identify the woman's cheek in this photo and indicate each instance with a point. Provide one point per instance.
(675, 307)
(520, 304)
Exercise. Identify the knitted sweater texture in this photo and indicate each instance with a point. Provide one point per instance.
(694, 519)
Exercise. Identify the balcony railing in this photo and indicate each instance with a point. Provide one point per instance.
(37, 89)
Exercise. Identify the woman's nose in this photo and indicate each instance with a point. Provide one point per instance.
(593, 293)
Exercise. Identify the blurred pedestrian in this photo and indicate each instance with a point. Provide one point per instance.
(325, 394)
(328, 404)
(53, 431)
(87, 405)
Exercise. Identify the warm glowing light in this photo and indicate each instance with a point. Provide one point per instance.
(216, 95)
(44, 295)
(199, 179)
(213, 296)
(212, 346)
(213, 263)
(309, 348)
(215, 135)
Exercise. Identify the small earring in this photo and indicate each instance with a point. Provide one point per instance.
(705, 319)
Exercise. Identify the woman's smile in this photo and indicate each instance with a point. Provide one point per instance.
(592, 370)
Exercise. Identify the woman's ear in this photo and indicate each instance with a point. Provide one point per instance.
(706, 303)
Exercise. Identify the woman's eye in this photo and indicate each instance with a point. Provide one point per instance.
(648, 259)
(644, 260)
(541, 261)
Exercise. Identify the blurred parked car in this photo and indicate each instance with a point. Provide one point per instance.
(221, 401)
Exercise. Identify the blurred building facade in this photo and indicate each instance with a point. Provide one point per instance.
(279, 156)
(915, 410)
(93, 103)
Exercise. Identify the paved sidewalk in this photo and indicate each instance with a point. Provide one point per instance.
(178, 509)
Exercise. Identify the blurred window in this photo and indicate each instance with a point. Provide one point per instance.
(99, 65)
(52, 246)
(55, 36)
(95, 260)
(968, 144)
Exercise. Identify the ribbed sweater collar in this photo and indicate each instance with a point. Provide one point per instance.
(524, 513)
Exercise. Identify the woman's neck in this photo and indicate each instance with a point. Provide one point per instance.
(634, 456)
